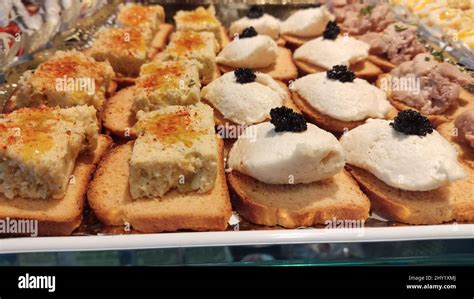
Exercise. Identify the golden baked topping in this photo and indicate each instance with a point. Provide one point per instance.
(172, 128)
(199, 16)
(135, 15)
(186, 42)
(160, 76)
(31, 129)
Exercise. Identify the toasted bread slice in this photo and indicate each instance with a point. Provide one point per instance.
(465, 102)
(123, 81)
(466, 153)
(326, 122)
(118, 116)
(217, 74)
(161, 38)
(453, 202)
(363, 69)
(58, 217)
(110, 199)
(281, 42)
(382, 63)
(298, 205)
(283, 69)
(294, 42)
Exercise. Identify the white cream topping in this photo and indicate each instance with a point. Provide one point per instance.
(286, 157)
(252, 52)
(265, 25)
(244, 104)
(326, 53)
(407, 162)
(307, 22)
(349, 101)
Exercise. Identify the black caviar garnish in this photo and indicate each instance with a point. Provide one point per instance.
(331, 31)
(245, 75)
(285, 119)
(340, 73)
(248, 32)
(255, 12)
(410, 122)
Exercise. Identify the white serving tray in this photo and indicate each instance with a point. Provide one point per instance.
(233, 238)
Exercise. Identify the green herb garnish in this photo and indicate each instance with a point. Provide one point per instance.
(438, 55)
(400, 28)
(427, 58)
(366, 11)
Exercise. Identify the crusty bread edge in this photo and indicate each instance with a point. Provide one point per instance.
(275, 216)
(322, 120)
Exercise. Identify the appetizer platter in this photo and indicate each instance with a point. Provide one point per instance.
(336, 122)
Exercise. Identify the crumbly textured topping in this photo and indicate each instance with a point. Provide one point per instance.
(286, 120)
(248, 32)
(245, 75)
(410, 122)
(341, 73)
(255, 12)
(332, 30)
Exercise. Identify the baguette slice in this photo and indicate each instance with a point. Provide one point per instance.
(466, 153)
(363, 69)
(110, 199)
(453, 202)
(283, 69)
(465, 102)
(62, 216)
(298, 205)
(325, 121)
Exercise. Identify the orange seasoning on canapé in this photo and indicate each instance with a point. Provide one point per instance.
(30, 131)
(199, 16)
(186, 42)
(135, 15)
(160, 76)
(172, 128)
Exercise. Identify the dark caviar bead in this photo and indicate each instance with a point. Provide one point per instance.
(410, 122)
(245, 75)
(248, 32)
(331, 31)
(285, 119)
(255, 12)
(340, 73)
